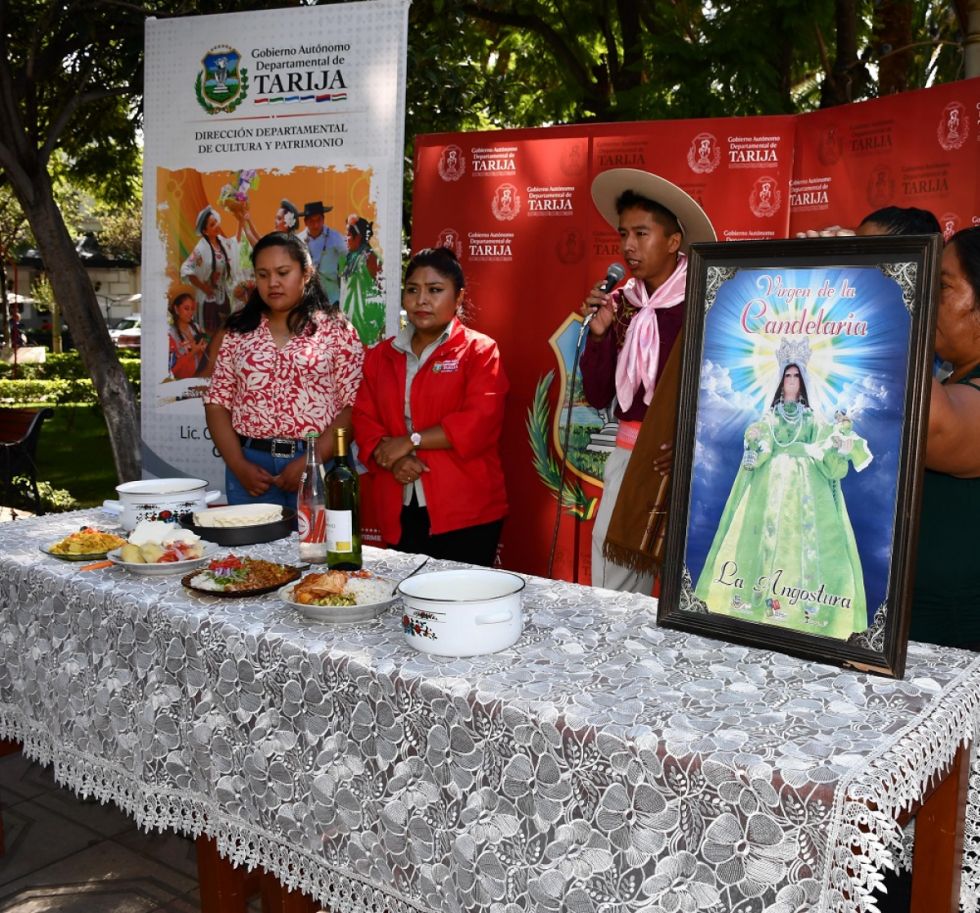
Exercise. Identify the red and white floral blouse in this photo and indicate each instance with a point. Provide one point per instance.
(273, 392)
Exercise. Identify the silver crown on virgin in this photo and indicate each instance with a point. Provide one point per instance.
(793, 352)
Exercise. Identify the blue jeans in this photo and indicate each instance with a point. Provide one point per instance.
(272, 464)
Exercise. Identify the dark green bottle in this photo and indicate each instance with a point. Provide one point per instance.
(343, 493)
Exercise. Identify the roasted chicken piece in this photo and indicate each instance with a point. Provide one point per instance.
(317, 586)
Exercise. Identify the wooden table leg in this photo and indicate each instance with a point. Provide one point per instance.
(276, 898)
(227, 889)
(6, 747)
(938, 855)
(222, 885)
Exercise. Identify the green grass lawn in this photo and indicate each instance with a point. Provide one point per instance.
(74, 454)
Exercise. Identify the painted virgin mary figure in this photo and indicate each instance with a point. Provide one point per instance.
(362, 299)
(784, 553)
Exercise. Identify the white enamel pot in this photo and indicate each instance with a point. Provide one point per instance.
(170, 500)
(462, 613)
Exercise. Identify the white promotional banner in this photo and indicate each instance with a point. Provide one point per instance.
(253, 122)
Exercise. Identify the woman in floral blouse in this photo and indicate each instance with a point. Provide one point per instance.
(290, 363)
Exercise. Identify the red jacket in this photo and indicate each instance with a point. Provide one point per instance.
(462, 387)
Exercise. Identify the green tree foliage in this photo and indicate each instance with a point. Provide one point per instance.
(121, 234)
(916, 43)
(483, 63)
(73, 69)
(14, 234)
(42, 293)
(69, 79)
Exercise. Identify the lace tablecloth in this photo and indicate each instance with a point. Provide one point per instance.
(602, 764)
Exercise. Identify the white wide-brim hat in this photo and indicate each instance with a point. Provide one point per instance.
(610, 185)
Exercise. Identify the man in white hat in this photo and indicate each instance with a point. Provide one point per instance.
(634, 329)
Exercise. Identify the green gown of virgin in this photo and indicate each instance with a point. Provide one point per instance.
(784, 553)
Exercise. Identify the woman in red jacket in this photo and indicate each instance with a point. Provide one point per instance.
(428, 418)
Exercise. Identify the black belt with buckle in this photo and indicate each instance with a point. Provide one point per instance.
(277, 446)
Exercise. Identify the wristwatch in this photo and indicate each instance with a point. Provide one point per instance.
(416, 439)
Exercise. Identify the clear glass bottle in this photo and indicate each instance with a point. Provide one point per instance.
(311, 508)
(343, 509)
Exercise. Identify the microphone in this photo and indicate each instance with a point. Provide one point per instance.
(614, 275)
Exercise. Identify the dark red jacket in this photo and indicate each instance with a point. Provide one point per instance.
(462, 387)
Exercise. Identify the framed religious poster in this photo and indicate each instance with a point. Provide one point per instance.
(800, 445)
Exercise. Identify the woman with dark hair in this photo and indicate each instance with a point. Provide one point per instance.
(784, 552)
(364, 302)
(891, 220)
(428, 419)
(899, 220)
(188, 343)
(208, 268)
(946, 598)
(290, 363)
(287, 217)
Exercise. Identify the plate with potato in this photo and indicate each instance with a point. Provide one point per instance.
(156, 548)
(152, 560)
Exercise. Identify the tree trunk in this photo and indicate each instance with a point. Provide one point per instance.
(972, 42)
(74, 293)
(4, 307)
(847, 78)
(893, 37)
(632, 73)
(56, 327)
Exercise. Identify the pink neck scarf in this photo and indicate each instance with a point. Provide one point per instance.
(638, 361)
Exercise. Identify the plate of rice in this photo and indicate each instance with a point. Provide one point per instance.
(340, 597)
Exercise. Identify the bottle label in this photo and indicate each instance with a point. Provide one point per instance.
(340, 531)
(311, 524)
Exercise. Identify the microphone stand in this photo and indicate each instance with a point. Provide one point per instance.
(564, 446)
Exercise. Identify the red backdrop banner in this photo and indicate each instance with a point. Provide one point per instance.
(916, 149)
(515, 206)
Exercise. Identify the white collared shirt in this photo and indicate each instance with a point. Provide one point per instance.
(413, 364)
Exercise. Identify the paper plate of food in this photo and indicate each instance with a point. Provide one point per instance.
(156, 548)
(86, 544)
(340, 597)
(233, 576)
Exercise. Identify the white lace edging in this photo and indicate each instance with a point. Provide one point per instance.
(874, 797)
(162, 809)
